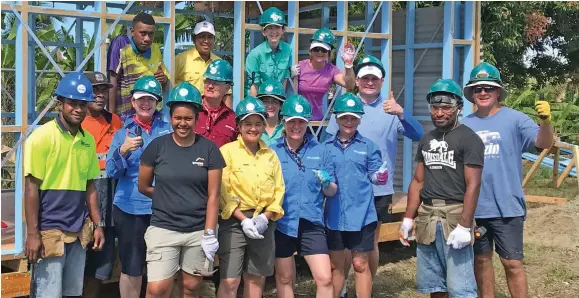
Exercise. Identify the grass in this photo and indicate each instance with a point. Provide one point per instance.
(541, 184)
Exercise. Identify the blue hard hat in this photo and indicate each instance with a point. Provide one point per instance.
(76, 86)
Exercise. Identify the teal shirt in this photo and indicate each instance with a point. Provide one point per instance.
(263, 64)
(271, 140)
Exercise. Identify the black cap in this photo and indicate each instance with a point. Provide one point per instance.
(97, 78)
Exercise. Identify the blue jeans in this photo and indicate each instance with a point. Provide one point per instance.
(61, 276)
(441, 268)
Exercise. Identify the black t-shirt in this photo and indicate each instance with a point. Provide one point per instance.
(444, 158)
(180, 196)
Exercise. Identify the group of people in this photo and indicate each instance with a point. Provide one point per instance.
(252, 188)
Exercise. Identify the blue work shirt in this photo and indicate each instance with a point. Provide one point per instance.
(506, 135)
(382, 129)
(303, 196)
(126, 169)
(353, 205)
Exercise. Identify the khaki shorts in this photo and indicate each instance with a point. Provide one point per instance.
(239, 254)
(169, 251)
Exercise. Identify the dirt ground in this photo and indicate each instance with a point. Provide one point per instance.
(551, 260)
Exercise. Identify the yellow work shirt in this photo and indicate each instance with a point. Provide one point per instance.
(190, 67)
(251, 181)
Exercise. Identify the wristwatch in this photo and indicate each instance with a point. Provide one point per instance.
(100, 224)
(208, 232)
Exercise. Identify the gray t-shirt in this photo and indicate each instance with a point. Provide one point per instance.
(444, 159)
(181, 177)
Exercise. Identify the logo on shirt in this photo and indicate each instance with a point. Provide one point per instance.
(229, 127)
(313, 157)
(438, 155)
(199, 162)
(85, 144)
(491, 141)
(360, 152)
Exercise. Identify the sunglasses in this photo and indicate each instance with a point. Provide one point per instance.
(487, 89)
(319, 49)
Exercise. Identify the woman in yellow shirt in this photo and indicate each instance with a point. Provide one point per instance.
(252, 191)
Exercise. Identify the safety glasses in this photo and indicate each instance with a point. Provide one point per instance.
(487, 89)
(319, 49)
(445, 108)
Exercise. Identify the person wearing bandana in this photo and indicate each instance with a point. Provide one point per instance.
(216, 121)
(308, 176)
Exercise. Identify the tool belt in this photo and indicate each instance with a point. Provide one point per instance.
(54, 240)
(431, 212)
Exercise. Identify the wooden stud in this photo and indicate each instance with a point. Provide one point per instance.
(399, 202)
(463, 42)
(546, 200)
(15, 284)
(536, 166)
(103, 29)
(556, 164)
(565, 173)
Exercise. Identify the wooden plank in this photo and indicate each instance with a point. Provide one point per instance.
(565, 145)
(566, 172)
(399, 202)
(15, 284)
(546, 200)
(556, 164)
(536, 166)
(389, 231)
(463, 42)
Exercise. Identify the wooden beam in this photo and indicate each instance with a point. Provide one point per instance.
(463, 42)
(536, 165)
(319, 123)
(565, 173)
(399, 202)
(546, 200)
(565, 145)
(11, 128)
(389, 231)
(556, 164)
(15, 284)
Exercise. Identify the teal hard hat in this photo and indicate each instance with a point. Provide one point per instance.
(185, 92)
(76, 86)
(296, 106)
(442, 86)
(324, 38)
(485, 74)
(150, 85)
(219, 70)
(271, 88)
(372, 63)
(349, 104)
(250, 106)
(272, 16)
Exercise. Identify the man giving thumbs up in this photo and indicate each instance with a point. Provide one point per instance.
(384, 118)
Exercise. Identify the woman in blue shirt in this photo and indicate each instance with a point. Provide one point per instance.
(350, 215)
(307, 176)
(131, 209)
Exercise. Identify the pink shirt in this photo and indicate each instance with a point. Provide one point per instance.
(314, 84)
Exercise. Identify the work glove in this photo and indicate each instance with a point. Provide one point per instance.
(324, 178)
(405, 231)
(249, 229)
(543, 108)
(261, 223)
(295, 70)
(459, 237)
(382, 174)
(210, 245)
(348, 54)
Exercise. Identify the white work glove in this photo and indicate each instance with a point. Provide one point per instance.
(348, 54)
(210, 245)
(405, 231)
(261, 223)
(459, 237)
(295, 70)
(249, 229)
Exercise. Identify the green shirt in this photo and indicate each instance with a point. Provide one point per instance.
(277, 133)
(64, 163)
(264, 64)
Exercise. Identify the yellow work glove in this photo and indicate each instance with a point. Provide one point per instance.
(543, 108)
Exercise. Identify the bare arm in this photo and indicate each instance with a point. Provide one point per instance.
(414, 191)
(544, 139)
(331, 190)
(92, 202)
(239, 215)
(472, 176)
(213, 187)
(347, 80)
(112, 104)
(145, 183)
(32, 204)
(253, 90)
